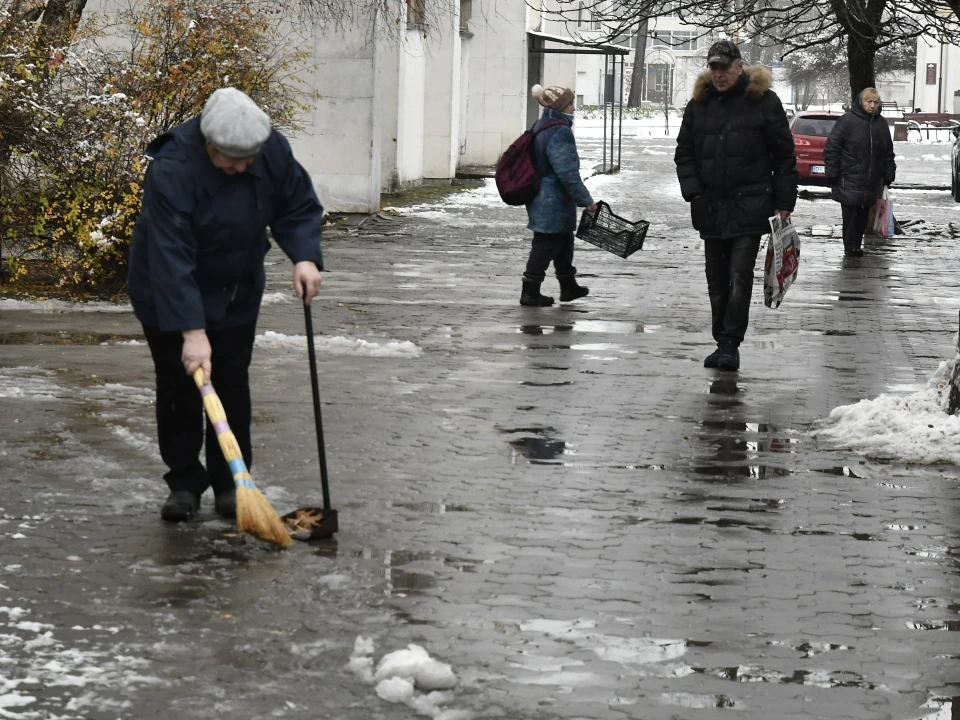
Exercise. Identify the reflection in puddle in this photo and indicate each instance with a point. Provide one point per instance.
(841, 471)
(539, 447)
(947, 708)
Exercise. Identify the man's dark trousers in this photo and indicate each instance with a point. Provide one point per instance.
(729, 267)
(180, 415)
(547, 248)
(854, 226)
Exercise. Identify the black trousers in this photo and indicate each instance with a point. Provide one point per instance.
(550, 248)
(854, 226)
(180, 415)
(729, 268)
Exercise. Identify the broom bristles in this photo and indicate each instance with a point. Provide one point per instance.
(255, 515)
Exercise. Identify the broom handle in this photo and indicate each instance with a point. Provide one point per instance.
(311, 351)
(225, 437)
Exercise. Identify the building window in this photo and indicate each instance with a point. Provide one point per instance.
(466, 14)
(416, 13)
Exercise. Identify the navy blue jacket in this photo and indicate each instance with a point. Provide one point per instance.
(554, 210)
(196, 259)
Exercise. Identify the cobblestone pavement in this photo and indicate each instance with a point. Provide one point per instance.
(561, 503)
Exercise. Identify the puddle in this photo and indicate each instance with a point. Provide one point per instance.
(942, 625)
(840, 471)
(721, 523)
(608, 326)
(540, 445)
(62, 337)
(543, 329)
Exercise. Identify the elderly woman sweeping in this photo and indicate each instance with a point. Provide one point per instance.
(213, 187)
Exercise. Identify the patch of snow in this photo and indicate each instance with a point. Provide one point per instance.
(41, 659)
(402, 673)
(416, 664)
(61, 306)
(28, 383)
(276, 298)
(395, 690)
(914, 427)
(929, 157)
(339, 345)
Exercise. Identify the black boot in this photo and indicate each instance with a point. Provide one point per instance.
(530, 295)
(181, 505)
(569, 289)
(226, 504)
(711, 360)
(729, 357)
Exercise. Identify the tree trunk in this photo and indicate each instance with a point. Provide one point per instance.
(861, 57)
(636, 81)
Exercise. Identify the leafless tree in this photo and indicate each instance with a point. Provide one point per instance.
(865, 27)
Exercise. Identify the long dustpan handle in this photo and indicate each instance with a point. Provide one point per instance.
(311, 351)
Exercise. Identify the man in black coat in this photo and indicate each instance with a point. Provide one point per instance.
(737, 167)
(859, 159)
(213, 187)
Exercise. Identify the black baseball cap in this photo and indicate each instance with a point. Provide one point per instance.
(723, 52)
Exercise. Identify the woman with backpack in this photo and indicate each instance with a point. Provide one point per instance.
(859, 158)
(553, 212)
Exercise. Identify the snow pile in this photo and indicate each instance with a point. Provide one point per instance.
(276, 298)
(341, 345)
(60, 306)
(401, 674)
(935, 158)
(914, 427)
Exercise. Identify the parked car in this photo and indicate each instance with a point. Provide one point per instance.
(810, 133)
(955, 166)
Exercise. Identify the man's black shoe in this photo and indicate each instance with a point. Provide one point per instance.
(226, 504)
(729, 358)
(181, 505)
(713, 358)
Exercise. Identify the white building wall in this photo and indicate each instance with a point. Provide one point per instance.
(412, 79)
(340, 146)
(497, 80)
(945, 60)
(441, 121)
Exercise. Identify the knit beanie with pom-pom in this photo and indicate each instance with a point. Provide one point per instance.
(553, 97)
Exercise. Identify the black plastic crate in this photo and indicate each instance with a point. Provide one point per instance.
(611, 232)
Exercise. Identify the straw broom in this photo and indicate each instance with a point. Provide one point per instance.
(255, 514)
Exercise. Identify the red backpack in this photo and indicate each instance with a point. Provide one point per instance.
(517, 178)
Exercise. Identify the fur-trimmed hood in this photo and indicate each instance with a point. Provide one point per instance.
(759, 80)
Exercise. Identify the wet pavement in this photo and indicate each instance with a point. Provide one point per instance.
(561, 503)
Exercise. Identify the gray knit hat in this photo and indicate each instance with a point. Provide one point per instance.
(233, 123)
(553, 97)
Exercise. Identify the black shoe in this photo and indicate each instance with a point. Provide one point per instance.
(181, 505)
(853, 252)
(729, 358)
(713, 358)
(531, 297)
(226, 504)
(570, 290)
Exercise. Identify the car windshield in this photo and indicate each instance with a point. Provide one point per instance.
(818, 126)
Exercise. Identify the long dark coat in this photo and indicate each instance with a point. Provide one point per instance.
(196, 259)
(735, 158)
(859, 156)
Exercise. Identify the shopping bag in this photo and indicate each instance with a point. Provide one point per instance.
(883, 218)
(782, 263)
